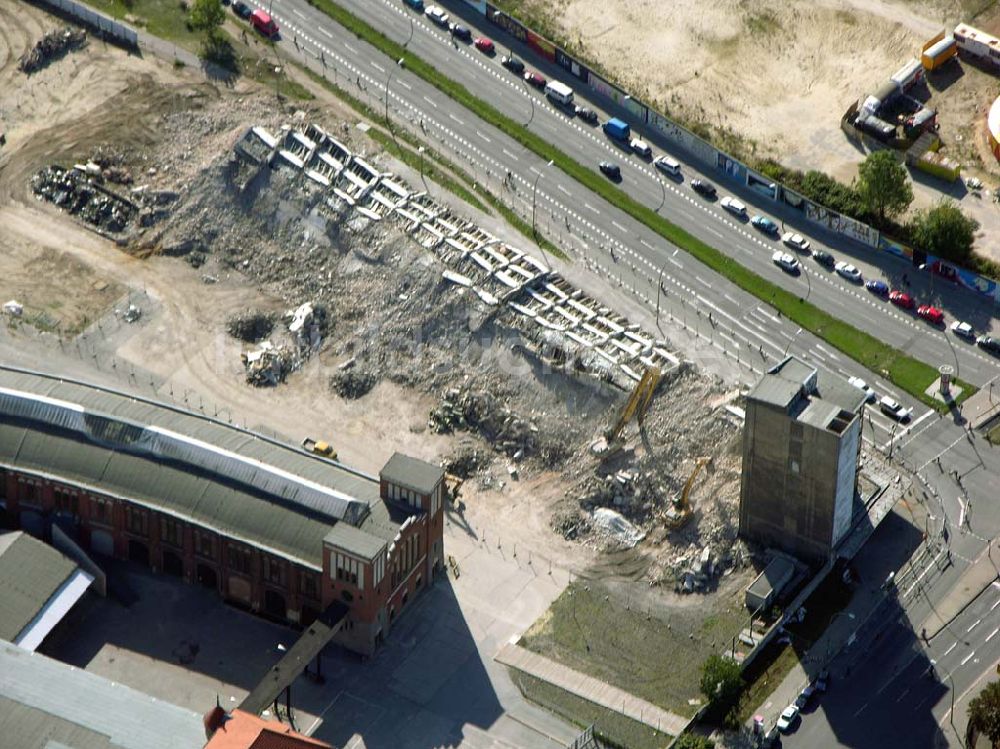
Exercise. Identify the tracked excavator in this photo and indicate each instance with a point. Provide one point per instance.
(680, 514)
(636, 407)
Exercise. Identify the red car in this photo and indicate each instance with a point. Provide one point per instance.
(930, 314)
(535, 79)
(484, 45)
(901, 299)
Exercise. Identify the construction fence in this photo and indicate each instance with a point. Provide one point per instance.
(728, 166)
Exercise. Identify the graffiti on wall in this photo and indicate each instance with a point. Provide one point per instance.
(896, 248)
(762, 184)
(505, 22)
(571, 65)
(542, 46)
(732, 168)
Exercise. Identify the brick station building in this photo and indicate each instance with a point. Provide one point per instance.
(272, 528)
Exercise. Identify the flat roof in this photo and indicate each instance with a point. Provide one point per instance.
(31, 574)
(775, 575)
(808, 395)
(238, 483)
(45, 703)
(413, 473)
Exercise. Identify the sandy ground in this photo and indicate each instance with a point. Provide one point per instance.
(773, 78)
(179, 350)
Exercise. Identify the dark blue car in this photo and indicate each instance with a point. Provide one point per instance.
(417, 5)
(877, 287)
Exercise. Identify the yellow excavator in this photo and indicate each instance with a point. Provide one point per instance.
(679, 515)
(636, 407)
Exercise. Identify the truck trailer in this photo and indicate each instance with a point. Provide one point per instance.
(618, 130)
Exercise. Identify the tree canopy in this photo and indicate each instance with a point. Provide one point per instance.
(720, 679)
(207, 16)
(693, 741)
(984, 712)
(944, 231)
(883, 185)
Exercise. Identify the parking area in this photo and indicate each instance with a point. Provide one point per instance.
(433, 684)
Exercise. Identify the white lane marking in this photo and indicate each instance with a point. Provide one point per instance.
(430, 102)
(405, 85)
(324, 31)
(646, 244)
(860, 710)
(953, 646)
(967, 658)
(675, 262)
(508, 154)
(702, 281)
(973, 625)
(350, 48)
(994, 605)
(562, 189)
(455, 118)
(903, 694)
(619, 226)
(961, 515)
(992, 634)
(378, 67)
(483, 137)
(716, 233)
(299, 13)
(590, 207)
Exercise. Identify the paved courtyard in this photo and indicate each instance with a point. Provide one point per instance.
(434, 683)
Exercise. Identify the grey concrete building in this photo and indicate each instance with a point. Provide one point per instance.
(801, 442)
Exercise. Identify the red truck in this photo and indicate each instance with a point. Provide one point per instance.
(264, 23)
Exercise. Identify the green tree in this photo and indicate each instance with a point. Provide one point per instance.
(207, 16)
(721, 680)
(944, 231)
(693, 741)
(984, 712)
(883, 186)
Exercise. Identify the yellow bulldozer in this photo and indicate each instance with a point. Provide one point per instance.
(679, 515)
(636, 407)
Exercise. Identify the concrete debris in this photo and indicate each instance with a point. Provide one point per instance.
(131, 314)
(268, 365)
(616, 528)
(251, 326)
(51, 47)
(352, 384)
(13, 308)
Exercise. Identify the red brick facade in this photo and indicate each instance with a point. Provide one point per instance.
(271, 584)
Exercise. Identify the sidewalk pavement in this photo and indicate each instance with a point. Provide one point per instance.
(976, 578)
(590, 689)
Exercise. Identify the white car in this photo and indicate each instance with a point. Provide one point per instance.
(734, 206)
(848, 271)
(642, 148)
(795, 241)
(437, 15)
(963, 330)
(863, 386)
(788, 716)
(785, 261)
(893, 409)
(667, 164)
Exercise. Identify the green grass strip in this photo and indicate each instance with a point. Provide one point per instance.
(909, 374)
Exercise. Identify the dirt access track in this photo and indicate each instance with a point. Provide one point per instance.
(774, 74)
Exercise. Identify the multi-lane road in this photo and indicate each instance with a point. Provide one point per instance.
(607, 240)
(600, 237)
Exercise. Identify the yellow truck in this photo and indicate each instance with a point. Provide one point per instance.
(319, 448)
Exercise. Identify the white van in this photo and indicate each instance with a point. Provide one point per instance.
(668, 164)
(559, 93)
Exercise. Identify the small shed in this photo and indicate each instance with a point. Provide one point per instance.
(763, 591)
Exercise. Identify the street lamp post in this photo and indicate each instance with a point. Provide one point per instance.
(663, 191)
(808, 281)
(388, 80)
(659, 287)
(531, 99)
(534, 201)
(423, 179)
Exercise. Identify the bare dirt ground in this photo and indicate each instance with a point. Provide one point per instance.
(772, 78)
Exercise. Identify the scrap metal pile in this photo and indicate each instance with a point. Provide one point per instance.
(51, 47)
(77, 192)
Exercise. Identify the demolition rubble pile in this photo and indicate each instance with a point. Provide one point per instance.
(50, 48)
(269, 364)
(251, 326)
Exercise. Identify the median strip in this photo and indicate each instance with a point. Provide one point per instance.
(911, 375)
